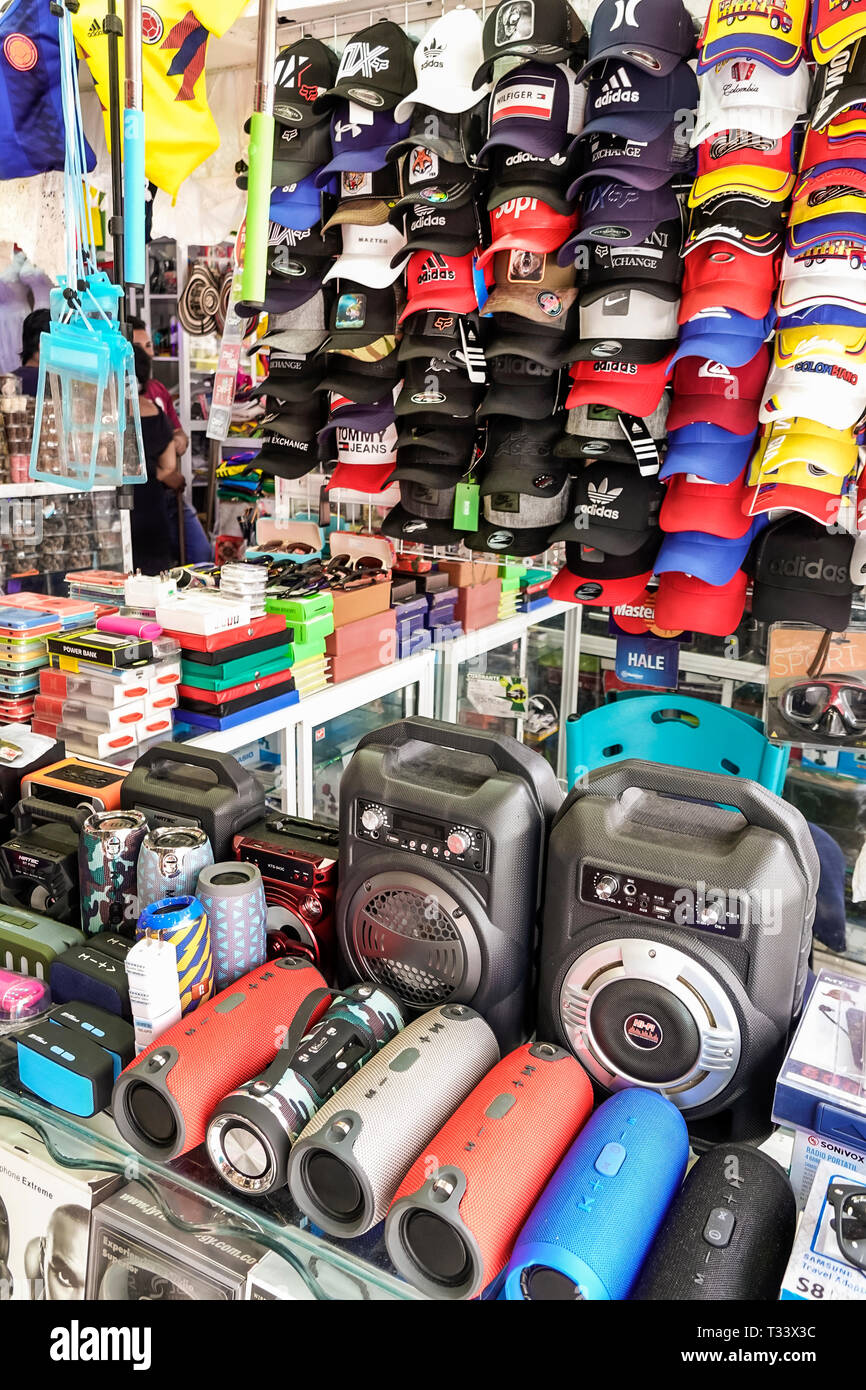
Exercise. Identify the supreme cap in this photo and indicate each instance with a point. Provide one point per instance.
(774, 35)
(718, 393)
(628, 100)
(303, 71)
(746, 94)
(548, 31)
(654, 263)
(683, 602)
(536, 108)
(803, 573)
(424, 514)
(375, 70)
(723, 334)
(627, 386)
(642, 163)
(719, 274)
(599, 432)
(446, 61)
(593, 577)
(696, 504)
(529, 224)
(654, 35)
(438, 281)
(632, 324)
(619, 214)
(614, 508)
(518, 174)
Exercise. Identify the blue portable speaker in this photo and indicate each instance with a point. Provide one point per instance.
(593, 1225)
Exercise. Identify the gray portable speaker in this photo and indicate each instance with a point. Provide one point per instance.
(442, 835)
(676, 938)
(354, 1153)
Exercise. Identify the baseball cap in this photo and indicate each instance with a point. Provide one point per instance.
(360, 316)
(592, 576)
(723, 334)
(521, 387)
(833, 273)
(372, 418)
(360, 382)
(520, 507)
(774, 35)
(424, 514)
(366, 256)
(531, 285)
(291, 454)
(747, 94)
(693, 503)
(829, 392)
(362, 477)
(718, 393)
(456, 137)
(516, 336)
(632, 324)
(300, 331)
(831, 29)
(751, 179)
(438, 281)
(822, 501)
(446, 61)
(684, 602)
(527, 444)
(803, 572)
(715, 559)
(811, 234)
(619, 214)
(748, 220)
(629, 100)
(642, 163)
(838, 145)
(717, 273)
(291, 377)
(614, 508)
(375, 69)
(436, 387)
(656, 39)
(655, 262)
(600, 432)
(422, 466)
(527, 223)
(804, 450)
(435, 223)
(451, 445)
(519, 174)
(548, 32)
(627, 386)
(302, 72)
(296, 205)
(536, 108)
(360, 140)
(441, 333)
(707, 451)
(299, 151)
(367, 199)
(732, 148)
(359, 446)
(828, 193)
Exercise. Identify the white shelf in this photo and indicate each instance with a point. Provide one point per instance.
(45, 489)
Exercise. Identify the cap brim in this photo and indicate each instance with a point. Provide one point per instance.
(705, 557)
(566, 587)
(738, 414)
(285, 466)
(297, 219)
(769, 496)
(303, 341)
(666, 61)
(683, 603)
(361, 390)
(453, 101)
(634, 174)
(536, 347)
(432, 474)
(613, 540)
(372, 271)
(715, 465)
(543, 142)
(638, 125)
(361, 162)
(500, 540)
(531, 401)
(503, 193)
(360, 212)
(771, 603)
(362, 477)
(743, 296)
(768, 122)
(450, 150)
(537, 239)
(522, 301)
(433, 299)
(635, 398)
(734, 349)
(401, 524)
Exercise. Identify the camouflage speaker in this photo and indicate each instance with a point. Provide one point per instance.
(107, 867)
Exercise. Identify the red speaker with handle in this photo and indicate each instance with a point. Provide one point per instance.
(162, 1101)
(459, 1209)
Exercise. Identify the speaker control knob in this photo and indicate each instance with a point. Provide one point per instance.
(372, 818)
(606, 887)
(459, 842)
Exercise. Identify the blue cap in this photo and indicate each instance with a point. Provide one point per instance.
(716, 462)
(627, 100)
(299, 205)
(723, 335)
(840, 316)
(710, 558)
(361, 145)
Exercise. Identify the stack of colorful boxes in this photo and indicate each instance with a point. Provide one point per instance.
(410, 608)
(232, 676)
(311, 620)
(479, 589)
(365, 627)
(534, 584)
(26, 622)
(509, 599)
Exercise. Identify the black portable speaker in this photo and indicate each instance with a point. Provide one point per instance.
(442, 834)
(39, 863)
(180, 784)
(728, 1235)
(676, 938)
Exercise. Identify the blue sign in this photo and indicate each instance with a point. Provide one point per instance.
(648, 661)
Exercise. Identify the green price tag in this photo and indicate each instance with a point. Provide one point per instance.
(466, 506)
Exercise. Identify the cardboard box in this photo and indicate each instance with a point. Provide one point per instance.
(46, 1212)
(812, 1149)
(350, 605)
(466, 572)
(818, 1271)
(477, 606)
(373, 636)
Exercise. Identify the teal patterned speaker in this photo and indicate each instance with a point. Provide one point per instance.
(234, 898)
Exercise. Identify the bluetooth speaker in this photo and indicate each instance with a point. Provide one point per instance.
(233, 897)
(728, 1235)
(162, 1101)
(350, 1158)
(108, 853)
(590, 1230)
(676, 936)
(442, 835)
(171, 859)
(457, 1212)
(180, 784)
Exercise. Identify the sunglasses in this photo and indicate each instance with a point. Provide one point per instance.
(849, 1221)
(832, 708)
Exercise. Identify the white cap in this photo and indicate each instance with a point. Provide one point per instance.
(620, 313)
(446, 60)
(366, 256)
(818, 390)
(744, 94)
(359, 447)
(804, 291)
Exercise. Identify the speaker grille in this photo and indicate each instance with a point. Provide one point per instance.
(408, 942)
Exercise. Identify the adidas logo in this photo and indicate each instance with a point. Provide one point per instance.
(616, 89)
(433, 55)
(600, 498)
(95, 30)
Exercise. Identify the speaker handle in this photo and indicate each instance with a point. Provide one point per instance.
(506, 754)
(33, 808)
(297, 1030)
(760, 807)
(160, 758)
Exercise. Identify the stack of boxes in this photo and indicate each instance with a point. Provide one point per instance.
(509, 598)
(534, 584)
(26, 622)
(479, 590)
(410, 608)
(311, 620)
(365, 626)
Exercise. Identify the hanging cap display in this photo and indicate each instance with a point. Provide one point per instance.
(375, 70)
(548, 31)
(303, 71)
(446, 61)
(802, 574)
(651, 34)
(627, 100)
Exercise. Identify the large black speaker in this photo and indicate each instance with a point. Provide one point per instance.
(442, 835)
(677, 929)
(728, 1234)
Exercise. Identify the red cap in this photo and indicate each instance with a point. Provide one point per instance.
(721, 274)
(638, 615)
(707, 391)
(630, 386)
(731, 149)
(811, 182)
(685, 602)
(362, 477)
(693, 504)
(842, 142)
(436, 281)
(768, 497)
(527, 224)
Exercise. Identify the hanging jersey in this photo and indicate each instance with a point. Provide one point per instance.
(31, 114)
(180, 131)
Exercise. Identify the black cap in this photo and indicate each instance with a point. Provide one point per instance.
(521, 387)
(601, 432)
(656, 260)
(298, 152)
(290, 378)
(656, 38)
(548, 31)
(591, 568)
(360, 316)
(614, 508)
(303, 71)
(451, 226)
(293, 421)
(362, 382)
(519, 337)
(425, 515)
(456, 138)
(437, 333)
(839, 84)
(290, 456)
(438, 387)
(422, 466)
(803, 573)
(740, 219)
(376, 69)
(518, 174)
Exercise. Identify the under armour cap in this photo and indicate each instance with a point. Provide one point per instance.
(303, 71)
(360, 140)
(630, 101)
(693, 503)
(626, 386)
(614, 508)
(438, 281)
(683, 602)
(592, 576)
(803, 574)
(548, 31)
(774, 34)
(600, 432)
(536, 108)
(706, 390)
(745, 94)
(375, 70)
(446, 61)
(654, 35)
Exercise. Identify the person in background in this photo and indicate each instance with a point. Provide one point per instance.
(198, 548)
(154, 500)
(32, 329)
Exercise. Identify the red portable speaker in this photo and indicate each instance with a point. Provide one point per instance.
(163, 1100)
(459, 1209)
